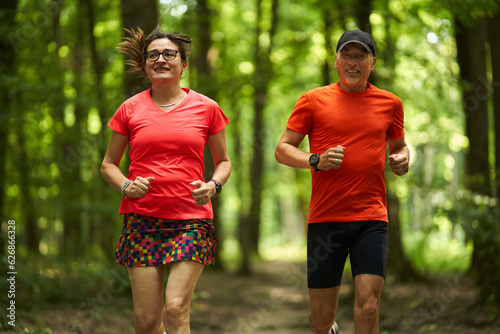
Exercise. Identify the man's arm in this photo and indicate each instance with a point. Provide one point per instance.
(399, 156)
(289, 153)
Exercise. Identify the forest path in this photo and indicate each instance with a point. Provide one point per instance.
(274, 300)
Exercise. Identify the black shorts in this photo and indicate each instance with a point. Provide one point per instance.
(328, 245)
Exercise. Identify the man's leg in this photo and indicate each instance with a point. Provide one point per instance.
(369, 267)
(367, 291)
(326, 256)
(181, 283)
(324, 303)
(147, 291)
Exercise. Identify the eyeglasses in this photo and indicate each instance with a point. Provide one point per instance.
(354, 57)
(167, 54)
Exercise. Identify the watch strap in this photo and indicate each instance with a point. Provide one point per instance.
(218, 186)
(314, 165)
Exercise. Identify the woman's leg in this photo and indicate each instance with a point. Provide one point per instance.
(147, 291)
(181, 282)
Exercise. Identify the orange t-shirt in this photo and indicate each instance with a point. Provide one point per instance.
(362, 123)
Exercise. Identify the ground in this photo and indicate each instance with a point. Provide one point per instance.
(274, 300)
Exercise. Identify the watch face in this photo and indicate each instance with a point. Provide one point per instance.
(313, 159)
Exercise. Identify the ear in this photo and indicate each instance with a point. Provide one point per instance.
(373, 64)
(336, 60)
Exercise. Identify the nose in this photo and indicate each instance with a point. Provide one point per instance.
(161, 57)
(353, 62)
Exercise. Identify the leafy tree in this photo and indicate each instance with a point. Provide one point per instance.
(7, 80)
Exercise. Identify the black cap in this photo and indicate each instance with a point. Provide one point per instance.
(357, 36)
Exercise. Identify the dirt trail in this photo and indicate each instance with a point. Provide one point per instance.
(274, 301)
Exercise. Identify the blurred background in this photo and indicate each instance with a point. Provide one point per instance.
(62, 79)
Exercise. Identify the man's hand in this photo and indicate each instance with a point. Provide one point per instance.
(139, 187)
(399, 164)
(332, 158)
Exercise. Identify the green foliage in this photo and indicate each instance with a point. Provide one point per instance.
(479, 215)
(57, 131)
(38, 330)
(91, 285)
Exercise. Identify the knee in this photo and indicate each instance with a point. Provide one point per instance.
(367, 309)
(176, 312)
(146, 323)
(322, 315)
(321, 320)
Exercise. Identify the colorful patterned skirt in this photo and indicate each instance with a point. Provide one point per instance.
(148, 241)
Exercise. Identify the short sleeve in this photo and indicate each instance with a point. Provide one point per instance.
(301, 118)
(119, 122)
(396, 129)
(217, 119)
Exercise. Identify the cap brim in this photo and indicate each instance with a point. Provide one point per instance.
(359, 42)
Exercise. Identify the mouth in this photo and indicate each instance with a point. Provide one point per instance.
(352, 71)
(162, 69)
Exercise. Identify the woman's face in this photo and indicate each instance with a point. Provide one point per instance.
(161, 70)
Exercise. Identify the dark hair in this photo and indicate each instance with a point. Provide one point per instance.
(135, 46)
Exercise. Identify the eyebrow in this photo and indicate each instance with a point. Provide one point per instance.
(163, 50)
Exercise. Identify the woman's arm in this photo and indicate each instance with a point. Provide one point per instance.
(204, 191)
(111, 173)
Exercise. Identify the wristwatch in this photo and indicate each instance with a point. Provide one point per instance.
(314, 161)
(218, 186)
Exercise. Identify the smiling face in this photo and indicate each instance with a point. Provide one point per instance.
(354, 65)
(161, 71)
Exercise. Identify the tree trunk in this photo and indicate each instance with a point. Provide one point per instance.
(102, 232)
(397, 261)
(494, 39)
(25, 168)
(250, 228)
(66, 154)
(99, 68)
(471, 53)
(363, 12)
(138, 14)
(328, 65)
(72, 186)
(206, 84)
(7, 69)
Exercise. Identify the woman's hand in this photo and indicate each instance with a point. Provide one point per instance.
(202, 192)
(139, 187)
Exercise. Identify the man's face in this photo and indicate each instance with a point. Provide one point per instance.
(354, 65)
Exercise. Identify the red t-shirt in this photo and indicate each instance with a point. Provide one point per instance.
(170, 147)
(362, 123)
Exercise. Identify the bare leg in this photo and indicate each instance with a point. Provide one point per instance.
(367, 290)
(147, 291)
(324, 303)
(181, 283)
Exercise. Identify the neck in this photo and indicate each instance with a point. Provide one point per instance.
(353, 89)
(167, 95)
